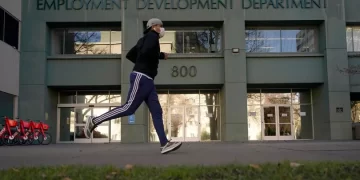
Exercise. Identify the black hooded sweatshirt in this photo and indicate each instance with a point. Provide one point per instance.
(146, 54)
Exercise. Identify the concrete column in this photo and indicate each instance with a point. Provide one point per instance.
(36, 101)
(235, 87)
(131, 32)
(338, 84)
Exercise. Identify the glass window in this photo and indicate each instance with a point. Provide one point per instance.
(280, 40)
(254, 122)
(184, 97)
(275, 96)
(115, 97)
(301, 96)
(2, 24)
(11, 31)
(349, 39)
(209, 97)
(355, 111)
(253, 96)
(210, 123)
(67, 97)
(207, 40)
(86, 41)
(302, 120)
(353, 39)
(356, 38)
(93, 97)
(67, 124)
(58, 41)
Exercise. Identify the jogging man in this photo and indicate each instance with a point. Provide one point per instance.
(145, 55)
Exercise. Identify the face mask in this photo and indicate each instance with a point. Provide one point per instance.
(162, 32)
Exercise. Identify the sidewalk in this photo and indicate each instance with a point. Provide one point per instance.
(214, 153)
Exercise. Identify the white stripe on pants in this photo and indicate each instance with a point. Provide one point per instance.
(125, 107)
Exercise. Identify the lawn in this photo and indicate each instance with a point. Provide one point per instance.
(281, 171)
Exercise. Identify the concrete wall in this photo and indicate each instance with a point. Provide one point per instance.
(9, 69)
(234, 71)
(285, 70)
(105, 72)
(354, 63)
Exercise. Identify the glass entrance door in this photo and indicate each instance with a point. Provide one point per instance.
(277, 123)
(184, 123)
(192, 123)
(100, 134)
(176, 123)
(285, 124)
(81, 115)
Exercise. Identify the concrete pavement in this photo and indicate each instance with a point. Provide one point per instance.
(213, 153)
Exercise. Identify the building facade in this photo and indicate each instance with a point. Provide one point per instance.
(238, 70)
(10, 20)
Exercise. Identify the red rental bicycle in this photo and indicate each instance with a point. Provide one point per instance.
(6, 134)
(44, 134)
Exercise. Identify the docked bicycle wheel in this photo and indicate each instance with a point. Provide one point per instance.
(37, 140)
(46, 140)
(7, 141)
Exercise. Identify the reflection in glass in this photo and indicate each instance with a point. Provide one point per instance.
(67, 122)
(285, 129)
(276, 96)
(58, 41)
(163, 99)
(177, 122)
(101, 132)
(95, 97)
(300, 40)
(67, 97)
(83, 41)
(209, 97)
(253, 96)
(210, 122)
(280, 40)
(270, 129)
(82, 114)
(302, 117)
(301, 96)
(355, 111)
(115, 42)
(269, 115)
(192, 122)
(115, 97)
(349, 39)
(254, 122)
(115, 129)
(268, 40)
(284, 114)
(79, 132)
(178, 98)
(356, 38)
(206, 40)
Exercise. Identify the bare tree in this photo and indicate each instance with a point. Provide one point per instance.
(82, 43)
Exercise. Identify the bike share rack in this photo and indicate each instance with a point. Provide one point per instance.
(20, 132)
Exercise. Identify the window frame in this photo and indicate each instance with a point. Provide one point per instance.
(280, 28)
(82, 29)
(3, 25)
(193, 29)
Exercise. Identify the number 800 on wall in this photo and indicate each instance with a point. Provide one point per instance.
(184, 71)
